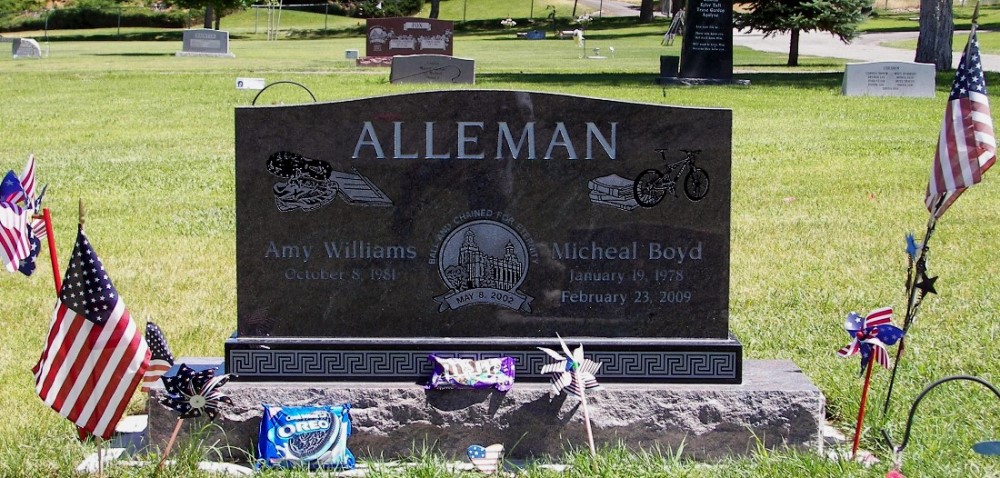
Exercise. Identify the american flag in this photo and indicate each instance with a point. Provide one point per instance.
(161, 359)
(94, 355)
(15, 242)
(486, 459)
(966, 145)
(28, 182)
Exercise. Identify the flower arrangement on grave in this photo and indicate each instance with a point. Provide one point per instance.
(508, 22)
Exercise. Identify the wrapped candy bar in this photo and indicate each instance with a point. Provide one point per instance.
(452, 373)
(310, 436)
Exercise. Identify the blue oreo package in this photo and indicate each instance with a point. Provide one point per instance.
(305, 436)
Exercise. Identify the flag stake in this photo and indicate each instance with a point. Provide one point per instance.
(53, 255)
(861, 409)
(170, 443)
(586, 412)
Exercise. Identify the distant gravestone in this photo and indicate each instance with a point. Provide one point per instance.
(895, 78)
(480, 223)
(206, 42)
(432, 69)
(26, 48)
(707, 52)
(408, 36)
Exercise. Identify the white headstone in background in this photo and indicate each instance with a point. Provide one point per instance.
(889, 78)
(26, 48)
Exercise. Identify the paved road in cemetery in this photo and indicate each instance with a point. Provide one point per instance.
(867, 47)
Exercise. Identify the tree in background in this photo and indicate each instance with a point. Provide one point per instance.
(646, 11)
(838, 17)
(936, 29)
(214, 9)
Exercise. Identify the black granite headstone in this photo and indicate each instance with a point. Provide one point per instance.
(482, 223)
(708, 40)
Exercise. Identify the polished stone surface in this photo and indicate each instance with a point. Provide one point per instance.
(479, 214)
(707, 51)
(776, 404)
(432, 69)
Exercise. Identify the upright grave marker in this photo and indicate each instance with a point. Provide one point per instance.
(889, 78)
(25, 48)
(372, 232)
(432, 69)
(206, 42)
(408, 36)
(707, 52)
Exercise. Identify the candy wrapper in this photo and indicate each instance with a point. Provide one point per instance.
(467, 373)
(312, 436)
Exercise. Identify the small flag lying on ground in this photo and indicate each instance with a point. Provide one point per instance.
(486, 459)
(94, 356)
(967, 145)
(160, 359)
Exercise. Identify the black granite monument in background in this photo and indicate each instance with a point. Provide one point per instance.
(477, 224)
(707, 51)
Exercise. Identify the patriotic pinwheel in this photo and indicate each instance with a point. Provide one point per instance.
(564, 371)
(192, 393)
(870, 336)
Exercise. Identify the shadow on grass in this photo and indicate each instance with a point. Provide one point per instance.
(131, 54)
(790, 80)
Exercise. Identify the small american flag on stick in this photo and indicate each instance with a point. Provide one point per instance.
(160, 359)
(94, 355)
(966, 146)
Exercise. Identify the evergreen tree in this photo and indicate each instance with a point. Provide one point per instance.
(838, 17)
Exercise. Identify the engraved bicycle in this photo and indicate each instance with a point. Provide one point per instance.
(652, 184)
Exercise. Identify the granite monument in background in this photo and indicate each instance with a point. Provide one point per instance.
(206, 42)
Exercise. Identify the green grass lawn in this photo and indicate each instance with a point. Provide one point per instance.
(825, 187)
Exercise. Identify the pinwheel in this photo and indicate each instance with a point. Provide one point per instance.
(576, 374)
(193, 394)
(571, 371)
(869, 337)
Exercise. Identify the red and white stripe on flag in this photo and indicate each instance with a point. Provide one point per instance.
(966, 144)
(14, 241)
(94, 355)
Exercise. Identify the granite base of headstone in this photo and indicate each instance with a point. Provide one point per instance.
(25, 48)
(207, 43)
(776, 406)
(432, 69)
(889, 78)
(374, 61)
